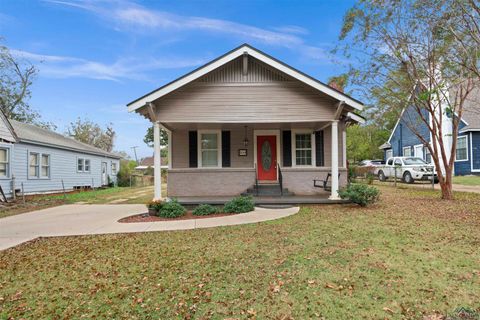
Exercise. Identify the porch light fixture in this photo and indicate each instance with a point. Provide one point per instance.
(245, 140)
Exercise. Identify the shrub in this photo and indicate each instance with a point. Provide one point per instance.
(204, 210)
(352, 172)
(171, 209)
(369, 177)
(155, 205)
(239, 205)
(126, 169)
(360, 194)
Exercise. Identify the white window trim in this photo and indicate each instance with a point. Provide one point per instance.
(49, 166)
(39, 165)
(83, 160)
(294, 148)
(219, 148)
(89, 165)
(466, 147)
(423, 152)
(471, 158)
(387, 152)
(9, 162)
(403, 151)
(112, 164)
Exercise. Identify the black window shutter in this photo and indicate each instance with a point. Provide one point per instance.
(319, 155)
(192, 149)
(287, 148)
(225, 149)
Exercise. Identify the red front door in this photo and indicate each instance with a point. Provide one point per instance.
(267, 157)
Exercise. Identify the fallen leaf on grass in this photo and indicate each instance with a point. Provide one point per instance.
(388, 310)
(330, 286)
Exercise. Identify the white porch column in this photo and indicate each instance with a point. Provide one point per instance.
(335, 146)
(157, 170)
(344, 144)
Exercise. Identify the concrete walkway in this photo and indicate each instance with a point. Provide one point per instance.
(77, 219)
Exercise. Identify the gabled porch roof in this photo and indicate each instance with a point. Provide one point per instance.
(248, 50)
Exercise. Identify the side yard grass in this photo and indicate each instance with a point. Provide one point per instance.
(109, 195)
(467, 180)
(407, 257)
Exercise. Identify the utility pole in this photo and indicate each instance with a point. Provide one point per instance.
(135, 152)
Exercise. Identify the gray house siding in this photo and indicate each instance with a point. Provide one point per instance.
(262, 95)
(63, 166)
(240, 175)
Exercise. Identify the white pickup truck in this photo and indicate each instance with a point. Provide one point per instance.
(408, 169)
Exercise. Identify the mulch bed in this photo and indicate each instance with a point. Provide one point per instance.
(144, 217)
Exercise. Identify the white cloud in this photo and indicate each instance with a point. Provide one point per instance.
(125, 68)
(291, 29)
(136, 18)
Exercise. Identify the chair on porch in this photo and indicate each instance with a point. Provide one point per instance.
(324, 184)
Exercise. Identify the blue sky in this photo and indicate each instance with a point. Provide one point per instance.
(96, 56)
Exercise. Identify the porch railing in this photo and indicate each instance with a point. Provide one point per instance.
(256, 180)
(280, 179)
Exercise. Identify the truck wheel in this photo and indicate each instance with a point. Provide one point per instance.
(381, 176)
(407, 177)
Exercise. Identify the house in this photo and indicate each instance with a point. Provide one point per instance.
(247, 118)
(147, 162)
(404, 142)
(41, 161)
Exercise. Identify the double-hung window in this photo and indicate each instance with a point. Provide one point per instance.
(114, 168)
(388, 154)
(209, 149)
(462, 153)
(428, 156)
(4, 162)
(407, 151)
(418, 151)
(33, 162)
(45, 166)
(38, 165)
(303, 153)
(83, 165)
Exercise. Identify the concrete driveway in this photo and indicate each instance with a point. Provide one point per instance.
(79, 219)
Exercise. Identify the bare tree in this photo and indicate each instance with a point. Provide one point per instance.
(412, 51)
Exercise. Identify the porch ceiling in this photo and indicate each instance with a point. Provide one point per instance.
(278, 125)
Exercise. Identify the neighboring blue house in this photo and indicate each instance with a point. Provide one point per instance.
(41, 160)
(403, 142)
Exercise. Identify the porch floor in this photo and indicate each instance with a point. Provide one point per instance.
(263, 200)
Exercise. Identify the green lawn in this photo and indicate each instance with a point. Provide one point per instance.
(467, 180)
(408, 256)
(115, 195)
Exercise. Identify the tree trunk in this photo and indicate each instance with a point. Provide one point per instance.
(447, 192)
(446, 184)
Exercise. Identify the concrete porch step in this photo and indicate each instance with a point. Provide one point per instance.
(271, 190)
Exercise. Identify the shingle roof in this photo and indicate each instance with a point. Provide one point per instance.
(471, 111)
(33, 134)
(147, 161)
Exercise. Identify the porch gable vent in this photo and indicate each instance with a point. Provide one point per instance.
(192, 149)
